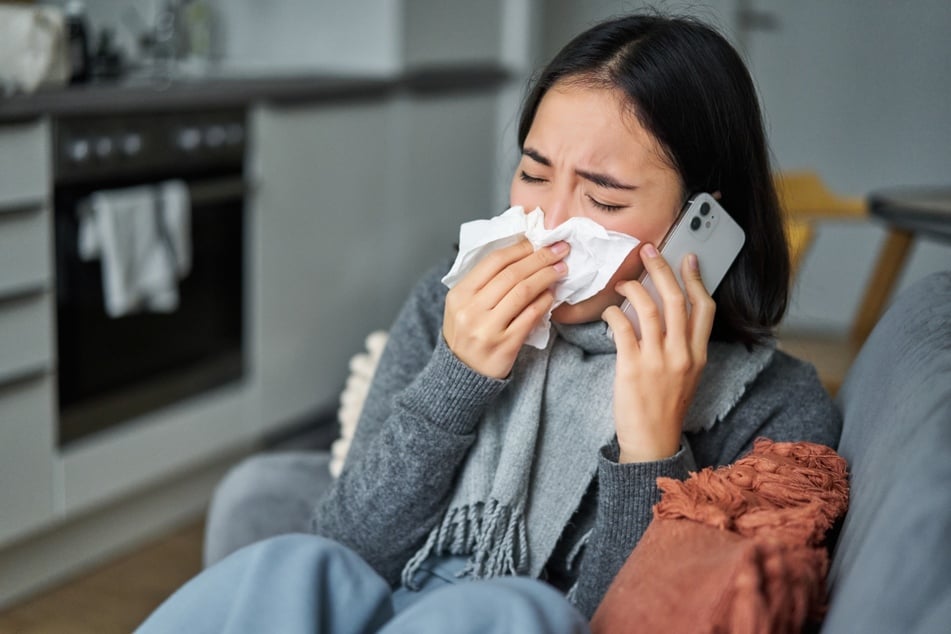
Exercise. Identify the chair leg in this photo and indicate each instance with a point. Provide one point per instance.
(888, 268)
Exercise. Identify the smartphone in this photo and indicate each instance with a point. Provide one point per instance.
(704, 228)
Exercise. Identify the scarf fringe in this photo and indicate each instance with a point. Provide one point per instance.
(492, 534)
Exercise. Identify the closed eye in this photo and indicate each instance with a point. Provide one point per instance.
(526, 178)
(603, 206)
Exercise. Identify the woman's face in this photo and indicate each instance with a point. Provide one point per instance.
(587, 155)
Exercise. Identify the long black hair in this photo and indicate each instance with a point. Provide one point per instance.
(690, 89)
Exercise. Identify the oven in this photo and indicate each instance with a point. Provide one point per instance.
(111, 370)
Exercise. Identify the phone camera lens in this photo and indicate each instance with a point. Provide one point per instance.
(695, 223)
(704, 209)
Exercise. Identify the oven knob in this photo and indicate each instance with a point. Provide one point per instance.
(103, 147)
(235, 134)
(189, 139)
(131, 144)
(78, 150)
(215, 136)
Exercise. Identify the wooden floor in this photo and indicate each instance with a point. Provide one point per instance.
(832, 356)
(115, 597)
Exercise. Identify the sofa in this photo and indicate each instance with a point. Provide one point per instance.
(891, 565)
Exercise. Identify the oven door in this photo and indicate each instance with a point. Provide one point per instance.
(111, 370)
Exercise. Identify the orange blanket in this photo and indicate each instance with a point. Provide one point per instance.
(734, 549)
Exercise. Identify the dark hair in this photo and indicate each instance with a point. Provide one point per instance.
(689, 88)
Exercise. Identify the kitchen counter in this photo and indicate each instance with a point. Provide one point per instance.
(231, 90)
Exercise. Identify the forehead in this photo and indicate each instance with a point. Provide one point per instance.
(593, 125)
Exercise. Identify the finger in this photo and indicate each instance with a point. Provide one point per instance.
(675, 302)
(530, 316)
(517, 273)
(648, 313)
(624, 334)
(526, 291)
(489, 266)
(702, 307)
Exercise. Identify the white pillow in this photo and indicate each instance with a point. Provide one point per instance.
(362, 367)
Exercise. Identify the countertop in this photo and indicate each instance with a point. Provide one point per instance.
(234, 90)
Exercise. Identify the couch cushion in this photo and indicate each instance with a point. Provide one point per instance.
(891, 570)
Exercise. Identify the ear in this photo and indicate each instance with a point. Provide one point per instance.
(717, 195)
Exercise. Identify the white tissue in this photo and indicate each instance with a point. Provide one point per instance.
(595, 255)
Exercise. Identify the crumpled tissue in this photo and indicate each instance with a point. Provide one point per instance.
(596, 253)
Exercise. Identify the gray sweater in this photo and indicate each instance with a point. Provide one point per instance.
(420, 419)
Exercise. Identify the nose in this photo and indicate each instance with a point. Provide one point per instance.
(557, 208)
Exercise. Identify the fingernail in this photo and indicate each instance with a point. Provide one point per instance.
(692, 262)
(650, 250)
(560, 248)
(561, 267)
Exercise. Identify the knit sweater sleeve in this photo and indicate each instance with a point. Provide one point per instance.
(415, 429)
(785, 403)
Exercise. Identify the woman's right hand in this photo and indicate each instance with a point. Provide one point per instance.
(491, 311)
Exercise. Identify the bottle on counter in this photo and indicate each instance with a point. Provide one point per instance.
(199, 28)
(78, 39)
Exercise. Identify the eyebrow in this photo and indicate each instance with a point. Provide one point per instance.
(601, 180)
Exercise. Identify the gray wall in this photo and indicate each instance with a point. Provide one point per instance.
(856, 90)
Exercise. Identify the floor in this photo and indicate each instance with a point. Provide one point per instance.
(117, 596)
(832, 356)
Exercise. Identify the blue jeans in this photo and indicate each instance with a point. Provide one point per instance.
(304, 583)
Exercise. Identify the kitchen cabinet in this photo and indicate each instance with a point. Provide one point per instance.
(24, 163)
(357, 185)
(26, 334)
(24, 206)
(26, 449)
(443, 171)
(353, 203)
(317, 207)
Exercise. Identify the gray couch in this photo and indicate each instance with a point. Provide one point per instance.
(891, 568)
(891, 571)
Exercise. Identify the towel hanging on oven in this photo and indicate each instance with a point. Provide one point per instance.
(142, 235)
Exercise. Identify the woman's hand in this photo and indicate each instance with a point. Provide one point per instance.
(491, 311)
(656, 377)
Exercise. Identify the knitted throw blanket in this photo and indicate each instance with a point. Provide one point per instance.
(734, 549)
(538, 445)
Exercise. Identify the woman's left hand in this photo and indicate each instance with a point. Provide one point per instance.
(656, 377)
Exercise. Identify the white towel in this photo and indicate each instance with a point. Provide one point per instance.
(143, 237)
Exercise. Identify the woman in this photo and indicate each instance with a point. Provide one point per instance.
(477, 457)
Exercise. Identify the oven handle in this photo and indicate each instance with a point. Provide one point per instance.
(216, 190)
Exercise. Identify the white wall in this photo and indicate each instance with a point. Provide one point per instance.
(358, 36)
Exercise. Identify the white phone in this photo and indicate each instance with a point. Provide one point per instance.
(705, 229)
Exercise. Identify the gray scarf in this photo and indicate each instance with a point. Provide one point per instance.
(538, 443)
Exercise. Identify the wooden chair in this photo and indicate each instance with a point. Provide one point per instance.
(806, 201)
